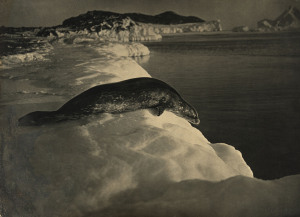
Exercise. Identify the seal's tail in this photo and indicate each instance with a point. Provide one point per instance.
(37, 118)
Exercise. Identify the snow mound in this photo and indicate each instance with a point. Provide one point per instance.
(130, 49)
(80, 165)
(114, 65)
(236, 196)
(137, 164)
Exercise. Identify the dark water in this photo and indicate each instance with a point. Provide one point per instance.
(246, 89)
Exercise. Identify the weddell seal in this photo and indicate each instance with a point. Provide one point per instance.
(124, 96)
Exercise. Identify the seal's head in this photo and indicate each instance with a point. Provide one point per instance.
(189, 113)
(185, 110)
(35, 118)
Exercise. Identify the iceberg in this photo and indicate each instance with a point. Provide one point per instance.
(287, 21)
(128, 164)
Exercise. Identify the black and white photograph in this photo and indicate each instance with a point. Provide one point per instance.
(149, 108)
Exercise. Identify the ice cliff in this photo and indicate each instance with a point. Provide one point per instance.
(129, 27)
(129, 164)
(209, 26)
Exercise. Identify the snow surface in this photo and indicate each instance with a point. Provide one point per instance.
(38, 53)
(129, 164)
(20, 58)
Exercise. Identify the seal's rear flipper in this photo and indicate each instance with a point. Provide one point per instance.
(36, 118)
(157, 110)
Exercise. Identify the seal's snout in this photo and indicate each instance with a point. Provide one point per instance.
(187, 111)
(193, 116)
(196, 121)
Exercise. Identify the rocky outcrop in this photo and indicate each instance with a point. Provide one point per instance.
(288, 20)
(94, 18)
(129, 27)
(111, 28)
(166, 18)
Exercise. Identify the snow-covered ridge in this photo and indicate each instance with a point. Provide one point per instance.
(81, 39)
(122, 49)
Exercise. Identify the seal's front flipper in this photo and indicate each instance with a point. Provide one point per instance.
(158, 110)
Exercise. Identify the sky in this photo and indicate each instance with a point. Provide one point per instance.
(231, 12)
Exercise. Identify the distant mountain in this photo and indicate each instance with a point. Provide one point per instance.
(92, 18)
(166, 18)
(288, 20)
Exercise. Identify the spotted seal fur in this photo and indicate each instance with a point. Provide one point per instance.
(119, 97)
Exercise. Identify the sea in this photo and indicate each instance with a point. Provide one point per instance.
(245, 86)
(246, 89)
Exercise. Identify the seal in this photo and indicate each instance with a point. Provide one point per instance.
(119, 97)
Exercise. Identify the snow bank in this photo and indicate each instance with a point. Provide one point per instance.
(114, 64)
(39, 54)
(130, 164)
(124, 49)
(22, 58)
(101, 71)
(136, 164)
(236, 196)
